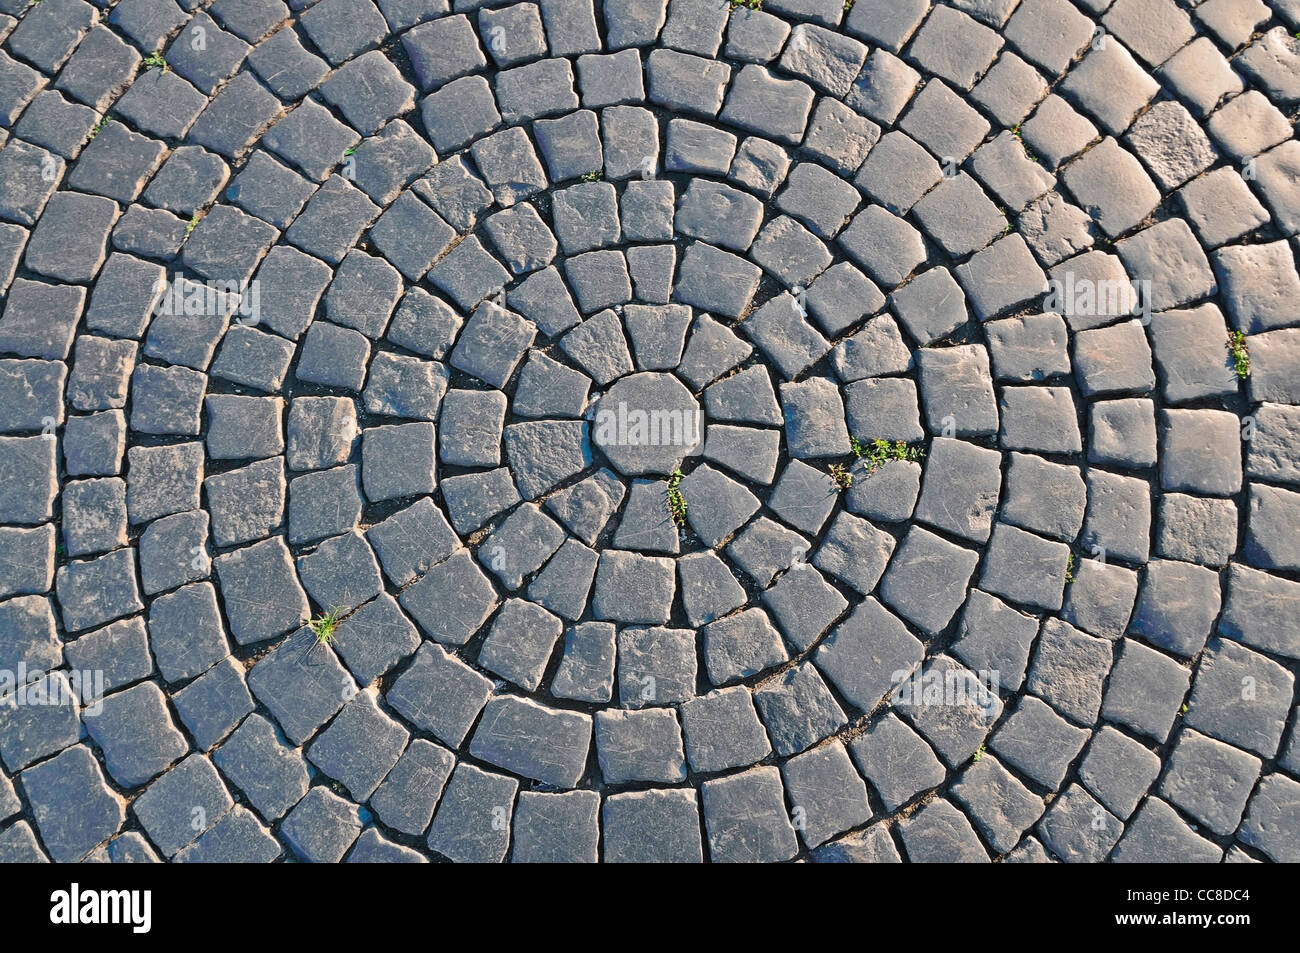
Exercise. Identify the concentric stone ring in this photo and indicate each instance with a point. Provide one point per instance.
(649, 430)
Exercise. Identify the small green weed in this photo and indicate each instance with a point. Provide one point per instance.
(595, 175)
(676, 502)
(193, 223)
(156, 61)
(842, 475)
(879, 452)
(99, 127)
(1240, 354)
(1069, 568)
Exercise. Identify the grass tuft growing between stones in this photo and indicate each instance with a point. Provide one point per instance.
(155, 61)
(324, 626)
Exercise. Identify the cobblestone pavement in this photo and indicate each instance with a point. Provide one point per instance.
(359, 359)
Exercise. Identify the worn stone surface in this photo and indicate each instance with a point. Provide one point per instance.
(627, 402)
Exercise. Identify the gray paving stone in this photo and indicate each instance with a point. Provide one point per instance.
(360, 746)
(556, 828)
(456, 583)
(939, 833)
(1249, 714)
(1271, 818)
(586, 670)
(74, 809)
(740, 646)
(1157, 833)
(643, 745)
(322, 826)
(745, 818)
(656, 825)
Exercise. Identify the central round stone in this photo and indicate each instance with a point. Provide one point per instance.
(648, 424)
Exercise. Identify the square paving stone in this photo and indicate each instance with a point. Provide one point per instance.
(960, 489)
(655, 666)
(398, 461)
(556, 828)
(1240, 697)
(1271, 818)
(1118, 770)
(94, 516)
(1145, 691)
(472, 824)
(27, 558)
(939, 833)
(1117, 523)
(1069, 669)
(360, 746)
(341, 573)
(322, 431)
(406, 798)
(520, 643)
(26, 326)
(260, 592)
(1025, 568)
(1209, 780)
(186, 632)
(1000, 805)
(73, 807)
(827, 795)
(992, 637)
(440, 694)
(183, 804)
(94, 591)
(681, 82)
(1038, 743)
(332, 221)
(163, 480)
(257, 761)
(1100, 598)
(1200, 452)
(424, 324)
(322, 826)
(29, 638)
(586, 671)
(927, 564)
(123, 301)
(722, 731)
(452, 600)
(205, 54)
(214, 703)
(246, 504)
(641, 745)
(369, 91)
(1078, 829)
(652, 826)
(137, 735)
(746, 819)
(897, 762)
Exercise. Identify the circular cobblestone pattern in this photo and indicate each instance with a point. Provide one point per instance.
(649, 430)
